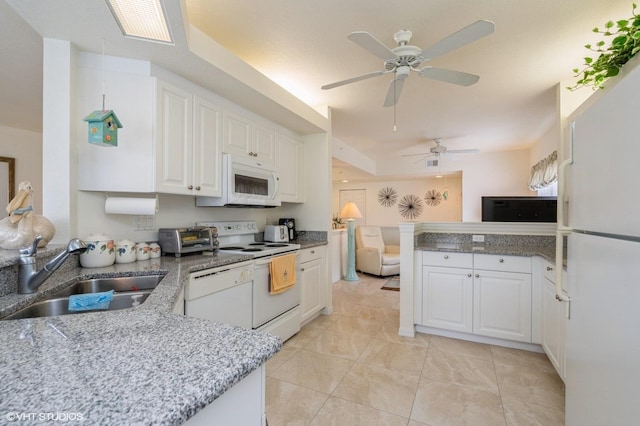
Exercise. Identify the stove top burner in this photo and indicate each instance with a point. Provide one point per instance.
(252, 249)
(231, 248)
(257, 244)
(277, 245)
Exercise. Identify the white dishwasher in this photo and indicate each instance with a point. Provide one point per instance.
(221, 294)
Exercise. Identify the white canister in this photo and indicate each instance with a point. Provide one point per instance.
(101, 251)
(155, 251)
(125, 251)
(143, 252)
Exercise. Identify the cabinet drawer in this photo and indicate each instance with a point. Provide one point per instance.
(494, 262)
(549, 271)
(447, 259)
(312, 253)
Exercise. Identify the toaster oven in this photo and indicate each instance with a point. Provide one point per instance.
(180, 241)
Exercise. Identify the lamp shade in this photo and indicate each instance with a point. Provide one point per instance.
(350, 211)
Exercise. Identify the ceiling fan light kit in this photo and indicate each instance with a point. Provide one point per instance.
(404, 58)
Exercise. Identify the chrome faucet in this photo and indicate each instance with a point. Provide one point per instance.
(28, 278)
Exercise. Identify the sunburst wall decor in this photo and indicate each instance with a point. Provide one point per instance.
(387, 197)
(410, 206)
(432, 197)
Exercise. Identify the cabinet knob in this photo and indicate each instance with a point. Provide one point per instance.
(190, 187)
(549, 268)
(301, 269)
(198, 188)
(477, 275)
(501, 260)
(469, 274)
(446, 256)
(313, 252)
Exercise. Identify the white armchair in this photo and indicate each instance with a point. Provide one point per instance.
(372, 256)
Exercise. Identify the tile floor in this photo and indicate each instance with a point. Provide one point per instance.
(351, 368)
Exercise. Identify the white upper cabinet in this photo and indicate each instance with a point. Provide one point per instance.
(170, 141)
(254, 142)
(289, 162)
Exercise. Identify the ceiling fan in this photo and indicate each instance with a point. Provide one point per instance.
(404, 58)
(439, 150)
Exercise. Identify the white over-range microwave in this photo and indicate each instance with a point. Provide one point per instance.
(244, 185)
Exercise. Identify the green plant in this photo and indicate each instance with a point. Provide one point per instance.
(625, 44)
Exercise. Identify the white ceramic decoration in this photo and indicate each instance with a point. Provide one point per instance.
(143, 252)
(125, 251)
(155, 251)
(101, 251)
(20, 228)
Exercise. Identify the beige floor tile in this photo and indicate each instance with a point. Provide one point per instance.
(338, 412)
(344, 344)
(280, 358)
(510, 356)
(415, 423)
(288, 404)
(385, 390)
(386, 298)
(389, 331)
(342, 301)
(461, 347)
(530, 384)
(519, 413)
(313, 370)
(440, 404)
(375, 313)
(399, 357)
(462, 370)
(324, 321)
(356, 325)
(307, 334)
(364, 286)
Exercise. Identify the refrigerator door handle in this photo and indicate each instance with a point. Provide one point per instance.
(562, 229)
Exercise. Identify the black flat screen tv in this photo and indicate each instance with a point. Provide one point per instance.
(519, 209)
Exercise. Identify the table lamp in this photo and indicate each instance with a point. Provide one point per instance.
(350, 212)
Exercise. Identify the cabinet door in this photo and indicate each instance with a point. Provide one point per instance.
(447, 298)
(550, 323)
(502, 305)
(237, 135)
(264, 146)
(207, 149)
(288, 165)
(174, 143)
(311, 296)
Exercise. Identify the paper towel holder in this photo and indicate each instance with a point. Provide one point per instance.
(133, 210)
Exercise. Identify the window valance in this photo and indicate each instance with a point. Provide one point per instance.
(544, 172)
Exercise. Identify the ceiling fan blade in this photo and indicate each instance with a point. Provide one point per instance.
(462, 151)
(353, 80)
(458, 39)
(393, 94)
(413, 155)
(372, 44)
(449, 76)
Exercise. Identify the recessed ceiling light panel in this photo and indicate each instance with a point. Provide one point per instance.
(143, 19)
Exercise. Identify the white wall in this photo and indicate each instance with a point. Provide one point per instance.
(26, 148)
(449, 210)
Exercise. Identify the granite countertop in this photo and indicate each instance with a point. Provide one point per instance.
(542, 251)
(142, 365)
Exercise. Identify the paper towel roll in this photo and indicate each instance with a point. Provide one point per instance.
(130, 205)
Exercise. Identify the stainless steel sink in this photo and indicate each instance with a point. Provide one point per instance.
(127, 291)
(60, 305)
(119, 284)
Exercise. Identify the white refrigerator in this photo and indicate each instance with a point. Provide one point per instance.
(602, 191)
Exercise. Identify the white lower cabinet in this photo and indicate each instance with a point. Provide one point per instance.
(487, 295)
(553, 321)
(310, 276)
(502, 305)
(447, 298)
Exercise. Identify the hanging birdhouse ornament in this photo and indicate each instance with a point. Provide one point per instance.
(103, 128)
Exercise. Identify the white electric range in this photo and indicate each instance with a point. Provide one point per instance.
(239, 237)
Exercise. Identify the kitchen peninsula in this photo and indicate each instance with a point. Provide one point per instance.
(133, 366)
(475, 281)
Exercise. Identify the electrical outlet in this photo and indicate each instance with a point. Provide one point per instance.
(477, 238)
(143, 223)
